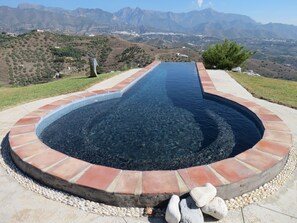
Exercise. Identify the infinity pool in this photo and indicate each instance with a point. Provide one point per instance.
(162, 123)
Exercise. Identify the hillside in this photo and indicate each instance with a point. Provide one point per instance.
(272, 69)
(206, 22)
(36, 57)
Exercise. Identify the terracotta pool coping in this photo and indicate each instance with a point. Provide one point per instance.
(232, 176)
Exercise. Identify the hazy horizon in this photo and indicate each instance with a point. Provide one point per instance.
(263, 12)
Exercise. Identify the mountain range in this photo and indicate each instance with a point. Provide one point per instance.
(206, 22)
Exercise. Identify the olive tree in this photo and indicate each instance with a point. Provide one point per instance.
(226, 55)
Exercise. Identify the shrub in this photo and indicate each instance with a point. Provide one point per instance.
(226, 55)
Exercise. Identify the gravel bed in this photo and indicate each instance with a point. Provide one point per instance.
(267, 189)
(101, 209)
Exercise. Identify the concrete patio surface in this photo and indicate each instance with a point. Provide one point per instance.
(21, 205)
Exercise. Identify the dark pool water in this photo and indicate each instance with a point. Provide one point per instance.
(162, 123)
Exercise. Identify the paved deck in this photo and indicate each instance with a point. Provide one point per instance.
(20, 205)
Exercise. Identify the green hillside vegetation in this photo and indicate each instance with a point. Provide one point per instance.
(272, 69)
(135, 56)
(278, 91)
(19, 95)
(36, 57)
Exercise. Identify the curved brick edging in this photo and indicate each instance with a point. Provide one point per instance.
(232, 177)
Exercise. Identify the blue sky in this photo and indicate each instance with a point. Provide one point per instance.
(283, 11)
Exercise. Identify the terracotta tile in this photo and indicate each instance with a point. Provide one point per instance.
(30, 150)
(49, 107)
(61, 102)
(237, 99)
(100, 92)
(126, 82)
(213, 92)
(46, 159)
(240, 101)
(155, 182)
(22, 130)
(202, 72)
(198, 176)
(276, 126)
(200, 66)
(249, 104)
(68, 168)
(20, 140)
(204, 76)
(206, 84)
(205, 79)
(121, 85)
(269, 117)
(28, 121)
(260, 110)
(136, 77)
(281, 137)
(114, 89)
(153, 64)
(87, 94)
(232, 170)
(225, 95)
(37, 113)
(74, 97)
(128, 182)
(99, 177)
(273, 148)
(138, 74)
(208, 88)
(257, 159)
(130, 79)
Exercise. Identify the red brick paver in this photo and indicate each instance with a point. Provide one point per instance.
(30, 150)
(22, 130)
(68, 168)
(46, 159)
(232, 170)
(272, 147)
(257, 159)
(99, 177)
(128, 182)
(159, 182)
(198, 176)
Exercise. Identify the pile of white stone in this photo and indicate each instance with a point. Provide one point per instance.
(190, 209)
